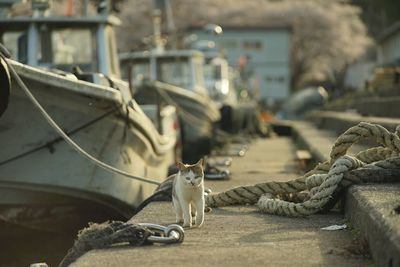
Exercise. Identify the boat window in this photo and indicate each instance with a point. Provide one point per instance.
(212, 73)
(175, 71)
(199, 74)
(16, 44)
(140, 71)
(68, 47)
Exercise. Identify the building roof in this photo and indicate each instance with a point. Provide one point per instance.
(62, 20)
(165, 54)
(246, 27)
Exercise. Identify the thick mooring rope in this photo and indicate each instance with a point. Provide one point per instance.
(107, 234)
(98, 236)
(314, 191)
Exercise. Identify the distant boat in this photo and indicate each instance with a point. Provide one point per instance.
(176, 77)
(238, 114)
(44, 183)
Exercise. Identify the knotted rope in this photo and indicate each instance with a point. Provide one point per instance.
(107, 234)
(104, 235)
(315, 190)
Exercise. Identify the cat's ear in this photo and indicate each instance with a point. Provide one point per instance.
(180, 166)
(200, 162)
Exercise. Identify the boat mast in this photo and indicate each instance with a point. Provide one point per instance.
(165, 9)
(40, 8)
(158, 45)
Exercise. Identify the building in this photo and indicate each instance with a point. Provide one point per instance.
(387, 73)
(380, 71)
(389, 46)
(264, 50)
(359, 74)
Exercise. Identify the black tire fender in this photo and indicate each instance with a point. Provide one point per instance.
(5, 86)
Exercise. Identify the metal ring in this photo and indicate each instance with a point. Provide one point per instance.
(177, 229)
(168, 234)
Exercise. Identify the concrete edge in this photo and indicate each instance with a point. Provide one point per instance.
(341, 121)
(370, 221)
(303, 139)
(365, 217)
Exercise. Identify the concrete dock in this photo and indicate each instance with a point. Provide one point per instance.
(372, 209)
(242, 236)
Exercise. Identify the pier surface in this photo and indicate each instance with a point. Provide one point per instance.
(240, 235)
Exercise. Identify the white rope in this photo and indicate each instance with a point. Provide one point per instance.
(67, 139)
(319, 195)
(310, 193)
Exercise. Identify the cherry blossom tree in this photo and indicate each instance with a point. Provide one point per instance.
(327, 35)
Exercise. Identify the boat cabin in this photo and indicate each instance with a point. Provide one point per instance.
(216, 75)
(63, 42)
(183, 68)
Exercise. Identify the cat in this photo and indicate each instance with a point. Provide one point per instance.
(188, 194)
(164, 193)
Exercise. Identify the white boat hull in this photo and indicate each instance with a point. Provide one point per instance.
(198, 116)
(33, 156)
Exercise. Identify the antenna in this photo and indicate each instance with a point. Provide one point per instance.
(165, 8)
(40, 7)
(158, 45)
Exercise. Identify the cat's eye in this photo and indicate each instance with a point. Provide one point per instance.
(187, 178)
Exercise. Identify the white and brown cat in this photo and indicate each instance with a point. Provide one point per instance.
(188, 194)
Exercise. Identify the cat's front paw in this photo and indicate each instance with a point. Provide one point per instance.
(199, 222)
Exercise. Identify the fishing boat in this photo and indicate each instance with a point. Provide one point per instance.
(238, 114)
(176, 77)
(44, 183)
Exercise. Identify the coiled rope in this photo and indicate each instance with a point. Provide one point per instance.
(66, 138)
(313, 191)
